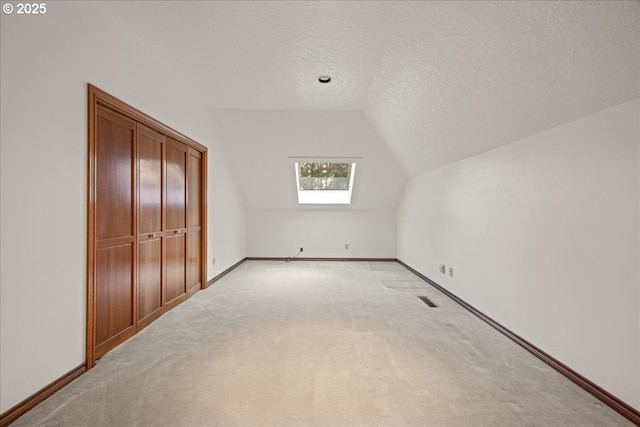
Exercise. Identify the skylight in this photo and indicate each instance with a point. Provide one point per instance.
(325, 182)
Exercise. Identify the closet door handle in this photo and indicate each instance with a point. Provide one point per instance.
(177, 231)
(151, 235)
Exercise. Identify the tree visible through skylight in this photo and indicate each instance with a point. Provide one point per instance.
(324, 183)
(324, 176)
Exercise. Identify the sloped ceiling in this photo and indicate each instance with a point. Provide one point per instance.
(438, 81)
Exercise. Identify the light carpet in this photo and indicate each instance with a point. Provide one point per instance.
(320, 344)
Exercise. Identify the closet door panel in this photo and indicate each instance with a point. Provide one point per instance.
(114, 180)
(149, 277)
(194, 221)
(175, 217)
(176, 185)
(114, 291)
(149, 180)
(194, 189)
(150, 194)
(194, 260)
(175, 266)
(115, 219)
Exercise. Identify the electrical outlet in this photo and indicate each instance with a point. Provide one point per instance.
(451, 271)
(213, 261)
(346, 246)
(442, 269)
(301, 249)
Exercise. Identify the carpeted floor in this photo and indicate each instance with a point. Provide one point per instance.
(320, 344)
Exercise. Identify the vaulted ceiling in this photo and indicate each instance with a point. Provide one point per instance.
(437, 81)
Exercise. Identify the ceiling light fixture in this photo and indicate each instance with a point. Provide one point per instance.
(324, 79)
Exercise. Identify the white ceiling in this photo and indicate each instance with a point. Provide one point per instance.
(438, 81)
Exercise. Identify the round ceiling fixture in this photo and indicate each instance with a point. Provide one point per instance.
(324, 79)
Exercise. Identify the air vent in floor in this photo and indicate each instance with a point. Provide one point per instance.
(428, 302)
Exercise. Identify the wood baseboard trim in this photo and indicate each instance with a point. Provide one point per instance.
(40, 396)
(227, 271)
(320, 259)
(598, 392)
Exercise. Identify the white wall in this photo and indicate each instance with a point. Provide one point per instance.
(543, 237)
(260, 143)
(47, 62)
(226, 240)
(322, 233)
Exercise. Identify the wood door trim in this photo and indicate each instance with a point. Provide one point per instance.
(92, 118)
(203, 220)
(98, 100)
(153, 134)
(116, 117)
(113, 103)
(195, 153)
(176, 144)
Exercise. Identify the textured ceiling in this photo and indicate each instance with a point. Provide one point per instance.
(438, 81)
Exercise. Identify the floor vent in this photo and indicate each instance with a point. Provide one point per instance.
(428, 302)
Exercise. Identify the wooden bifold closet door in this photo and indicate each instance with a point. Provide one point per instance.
(150, 228)
(145, 245)
(115, 223)
(194, 222)
(176, 222)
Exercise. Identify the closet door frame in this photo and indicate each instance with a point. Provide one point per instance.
(98, 97)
